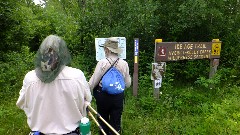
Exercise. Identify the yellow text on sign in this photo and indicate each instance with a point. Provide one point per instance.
(216, 48)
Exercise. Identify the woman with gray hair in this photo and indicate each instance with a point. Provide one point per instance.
(54, 96)
(110, 106)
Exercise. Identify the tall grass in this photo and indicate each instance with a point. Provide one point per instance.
(207, 117)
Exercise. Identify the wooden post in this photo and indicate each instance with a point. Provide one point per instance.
(136, 60)
(214, 62)
(156, 90)
(213, 67)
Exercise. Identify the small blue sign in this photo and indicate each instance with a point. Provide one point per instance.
(136, 47)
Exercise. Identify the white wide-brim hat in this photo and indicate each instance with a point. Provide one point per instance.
(112, 45)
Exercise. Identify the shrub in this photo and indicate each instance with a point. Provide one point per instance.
(13, 68)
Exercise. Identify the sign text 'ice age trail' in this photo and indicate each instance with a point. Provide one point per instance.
(173, 51)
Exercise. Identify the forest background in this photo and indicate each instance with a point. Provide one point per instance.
(187, 105)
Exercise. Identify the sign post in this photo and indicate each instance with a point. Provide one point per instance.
(158, 70)
(157, 80)
(216, 48)
(136, 60)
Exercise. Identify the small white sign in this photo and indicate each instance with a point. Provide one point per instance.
(158, 83)
(100, 51)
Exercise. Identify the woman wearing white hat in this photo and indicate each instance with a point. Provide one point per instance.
(110, 106)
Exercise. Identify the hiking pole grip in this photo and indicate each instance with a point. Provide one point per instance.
(90, 114)
(104, 120)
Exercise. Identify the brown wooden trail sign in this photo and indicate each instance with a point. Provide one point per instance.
(173, 51)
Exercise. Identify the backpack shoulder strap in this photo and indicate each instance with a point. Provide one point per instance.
(113, 63)
(109, 61)
(109, 67)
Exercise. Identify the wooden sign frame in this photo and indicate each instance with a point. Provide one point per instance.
(173, 51)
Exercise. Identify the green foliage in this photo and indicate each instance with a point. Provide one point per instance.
(179, 109)
(168, 81)
(223, 77)
(13, 120)
(79, 61)
(13, 70)
(79, 22)
(6, 23)
(208, 83)
(223, 118)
